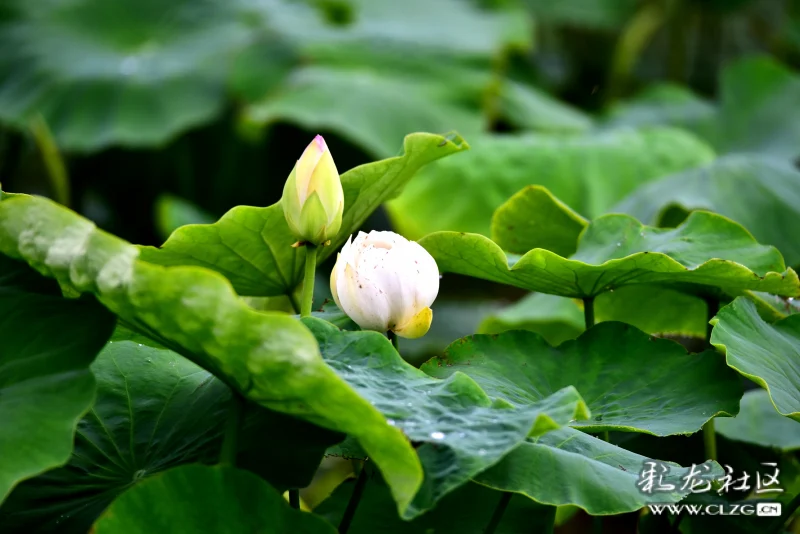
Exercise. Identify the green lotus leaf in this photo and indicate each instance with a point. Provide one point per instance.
(199, 498)
(705, 255)
(568, 466)
(773, 307)
(155, 410)
(756, 111)
(457, 429)
(589, 172)
(760, 424)
(665, 104)
(631, 381)
(362, 29)
(758, 108)
(115, 73)
(269, 357)
(373, 109)
(534, 218)
(529, 108)
(392, 72)
(48, 343)
(652, 309)
(758, 192)
(768, 354)
(556, 319)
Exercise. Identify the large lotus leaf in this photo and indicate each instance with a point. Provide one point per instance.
(760, 99)
(758, 423)
(155, 410)
(534, 218)
(199, 498)
(252, 246)
(761, 193)
(398, 67)
(756, 113)
(631, 381)
(589, 172)
(138, 74)
(458, 430)
(392, 70)
(556, 319)
(706, 253)
(773, 307)
(271, 358)
(567, 466)
(48, 343)
(665, 104)
(652, 309)
(529, 108)
(359, 29)
(380, 99)
(466, 510)
(117, 72)
(373, 109)
(768, 354)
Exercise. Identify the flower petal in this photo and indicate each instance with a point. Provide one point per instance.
(306, 164)
(427, 284)
(418, 326)
(362, 300)
(334, 274)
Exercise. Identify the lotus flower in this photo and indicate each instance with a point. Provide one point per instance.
(313, 200)
(386, 283)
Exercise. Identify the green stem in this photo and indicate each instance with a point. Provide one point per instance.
(393, 338)
(606, 437)
(710, 440)
(308, 280)
(230, 440)
(499, 510)
(491, 103)
(634, 39)
(56, 169)
(294, 498)
(588, 312)
(355, 499)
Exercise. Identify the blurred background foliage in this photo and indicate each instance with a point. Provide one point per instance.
(146, 115)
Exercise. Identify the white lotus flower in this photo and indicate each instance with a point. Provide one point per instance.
(385, 282)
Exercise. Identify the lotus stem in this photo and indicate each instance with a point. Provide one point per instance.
(308, 280)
